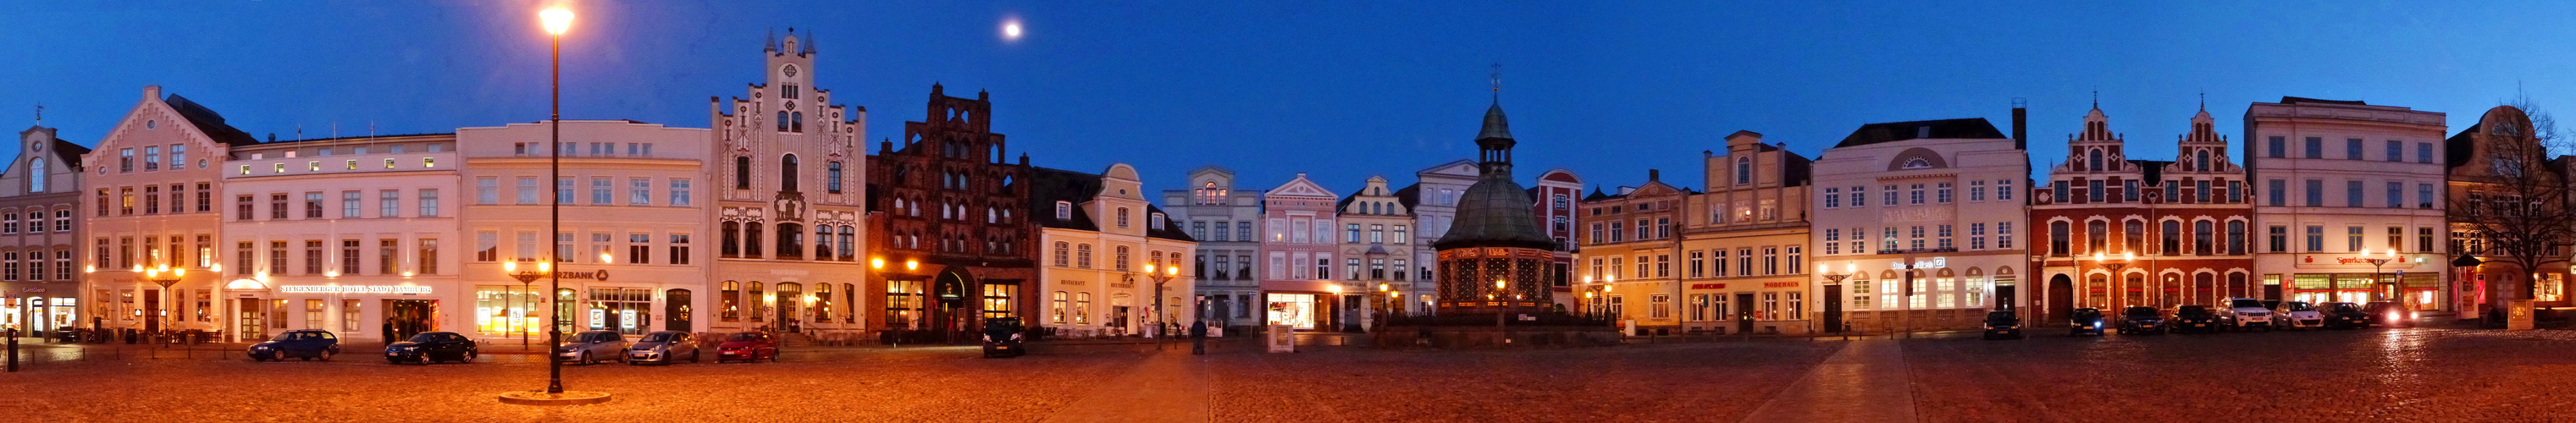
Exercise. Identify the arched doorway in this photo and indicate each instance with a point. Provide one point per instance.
(950, 315)
(675, 310)
(2061, 297)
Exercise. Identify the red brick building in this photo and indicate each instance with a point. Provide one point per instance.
(951, 241)
(2116, 232)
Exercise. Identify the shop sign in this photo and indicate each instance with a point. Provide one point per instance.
(1708, 286)
(1934, 263)
(352, 289)
(32, 289)
(597, 275)
(1779, 284)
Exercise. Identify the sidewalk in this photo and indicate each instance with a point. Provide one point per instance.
(1864, 382)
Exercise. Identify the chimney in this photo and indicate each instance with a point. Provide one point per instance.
(2021, 129)
(152, 92)
(1653, 175)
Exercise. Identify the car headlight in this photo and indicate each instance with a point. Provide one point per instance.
(1015, 337)
(411, 348)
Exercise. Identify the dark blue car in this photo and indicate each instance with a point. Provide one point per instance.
(303, 344)
(2086, 321)
(431, 347)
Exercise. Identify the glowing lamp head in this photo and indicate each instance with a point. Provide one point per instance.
(1171, 270)
(545, 267)
(557, 20)
(876, 263)
(1498, 283)
(911, 264)
(1149, 269)
(2128, 255)
(217, 268)
(180, 272)
(138, 268)
(605, 258)
(510, 266)
(1384, 287)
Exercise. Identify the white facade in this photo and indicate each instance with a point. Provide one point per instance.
(2341, 179)
(794, 179)
(1111, 254)
(634, 256)
(1378, 249)
(1434, 200)
(1943, 197)
(1224, 220)
(351, 235)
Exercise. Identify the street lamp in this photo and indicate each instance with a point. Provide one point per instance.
(2114, 267)
(1162, 318)
(556, 20)
(1849, 269)
(525, 279)
(2379, 285)
(165, 276)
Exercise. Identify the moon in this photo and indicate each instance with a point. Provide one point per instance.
(1011, 30)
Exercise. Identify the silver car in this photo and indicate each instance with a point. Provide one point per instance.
(591, 347)
(665, 347)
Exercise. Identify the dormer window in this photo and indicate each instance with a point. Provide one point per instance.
(1063, 210)
(1157, 223)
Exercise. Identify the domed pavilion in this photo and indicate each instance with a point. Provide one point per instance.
(1494, 255)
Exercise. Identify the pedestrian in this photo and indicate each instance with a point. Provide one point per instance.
(389, 332)
(1198, 337)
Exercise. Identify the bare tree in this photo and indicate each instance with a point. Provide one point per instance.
(2511, 199)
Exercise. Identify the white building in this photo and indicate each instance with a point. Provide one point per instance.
(152, 180)
(1433, 198)
(350, 235)
(1378, 252)
(1944, 198)
(1224, 220)
(793, 178)
(630, 255)
(2341, 179)
(1113, 258)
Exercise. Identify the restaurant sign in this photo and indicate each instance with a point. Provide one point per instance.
(352, 289)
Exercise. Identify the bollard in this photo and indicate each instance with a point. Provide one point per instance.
(13, 351)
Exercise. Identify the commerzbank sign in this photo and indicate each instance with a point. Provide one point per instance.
(352, 289)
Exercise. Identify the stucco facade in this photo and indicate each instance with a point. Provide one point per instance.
(150, 196)
(1115, 263)
(1745, 246)
(1298, 222)
(2338, 179)
(1224, 218)
(2114, 232)
(792, 177)
(363, 243)
(40, 212)
(1930, 220)
(634, 255)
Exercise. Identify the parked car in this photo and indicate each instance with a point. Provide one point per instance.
(748, 347)
(2297, 315)
(2196, 318)
(2344, 316)
(2086, 321)
(2002, 324)
(591, 347)
(2142, 320)
(304, 344)
(1002, 337)
(2389, 313)
(432, 347)
(663, 347)
(2245, 314)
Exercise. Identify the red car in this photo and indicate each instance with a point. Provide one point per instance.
(748, 347)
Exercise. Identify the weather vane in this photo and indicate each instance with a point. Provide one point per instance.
(1498, 78)
(40, 112)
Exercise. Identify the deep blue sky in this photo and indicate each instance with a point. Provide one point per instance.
(1270, 89)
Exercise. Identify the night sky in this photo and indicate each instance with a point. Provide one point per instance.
(1270, 89)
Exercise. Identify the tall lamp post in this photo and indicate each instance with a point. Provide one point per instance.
(2114, 267)
(556, 20)
(527, 279)
(165, 276)
(2379, 284)
(1162, 318)
(1849, 269)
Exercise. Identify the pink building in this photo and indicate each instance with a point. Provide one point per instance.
(1297, 226)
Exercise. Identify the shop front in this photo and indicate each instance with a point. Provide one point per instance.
(371, 312)
(1303, 305)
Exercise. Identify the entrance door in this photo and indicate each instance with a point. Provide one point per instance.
(410, 317)
(2061, 299)
(253, 313)
(1833, 308)
(675, 310)
(791, 298)
(1744, 313)
(152, 301)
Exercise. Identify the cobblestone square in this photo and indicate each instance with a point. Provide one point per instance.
(2410, 374)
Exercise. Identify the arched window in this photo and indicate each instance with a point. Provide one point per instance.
(849, 250)
(782, 120)
(2133, 236)
(36, 175)
(1082, 256)
(2097, 237)
(2172, 237)
(741, 172)
(2201, 237)
(732, 301)
(759, 303)
(2200, 161)
(2093, 159)
(732, 243)
(787, 172)
(1743, 170)
(2235, 237)
(2057, 234)
(833, 183)
(796, 122)
(822, 302)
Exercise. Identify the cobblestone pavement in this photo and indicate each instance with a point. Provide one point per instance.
(2405, 374)
(1667, 382)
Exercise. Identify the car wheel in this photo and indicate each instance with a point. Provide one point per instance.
(586, 360)
(693, 356)
(469, 358)
(326, 355)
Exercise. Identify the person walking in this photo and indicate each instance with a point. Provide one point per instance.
(1198, 337)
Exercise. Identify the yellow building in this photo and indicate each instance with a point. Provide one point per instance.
(1744, 242)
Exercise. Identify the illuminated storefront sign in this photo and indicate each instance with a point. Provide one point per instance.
(352, 289)
(1934, 263)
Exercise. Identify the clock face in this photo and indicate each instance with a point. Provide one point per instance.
(790, 71)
